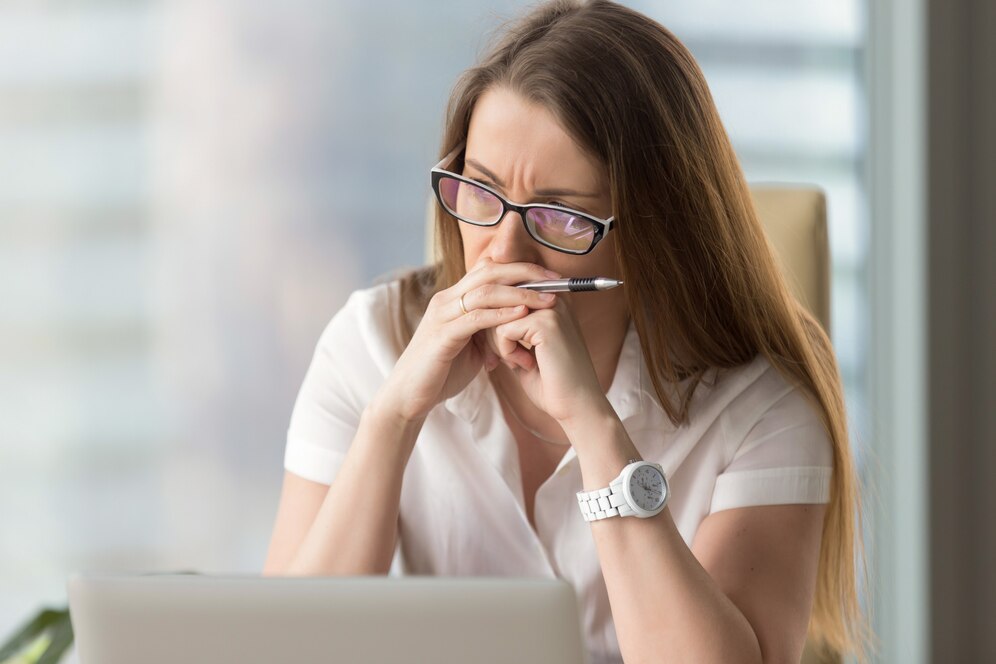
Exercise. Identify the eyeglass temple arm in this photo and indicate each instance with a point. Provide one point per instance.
(448, 158)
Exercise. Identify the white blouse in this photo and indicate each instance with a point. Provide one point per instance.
(752, 439)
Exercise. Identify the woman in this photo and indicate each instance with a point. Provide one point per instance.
(702, 362)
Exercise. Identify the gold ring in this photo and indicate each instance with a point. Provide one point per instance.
(463, 308)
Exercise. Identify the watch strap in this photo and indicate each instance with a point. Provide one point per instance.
(604, 503)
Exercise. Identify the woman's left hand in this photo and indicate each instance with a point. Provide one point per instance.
(548, 355)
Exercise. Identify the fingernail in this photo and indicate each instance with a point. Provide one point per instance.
(552, 274)
(546, 297)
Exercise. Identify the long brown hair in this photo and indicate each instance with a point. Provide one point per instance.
(632, 95)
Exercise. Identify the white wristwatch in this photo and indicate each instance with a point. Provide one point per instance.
(640, 490)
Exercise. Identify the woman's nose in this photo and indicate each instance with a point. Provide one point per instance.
(511, 240)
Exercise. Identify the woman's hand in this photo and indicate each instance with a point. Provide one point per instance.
(448, 349)
(547, 353)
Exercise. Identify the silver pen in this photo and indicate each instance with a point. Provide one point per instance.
(573, 285)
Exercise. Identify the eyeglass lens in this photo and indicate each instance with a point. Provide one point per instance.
(562, 229)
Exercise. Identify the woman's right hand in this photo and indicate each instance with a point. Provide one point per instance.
(448, 348)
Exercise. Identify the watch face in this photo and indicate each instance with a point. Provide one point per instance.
(647, 488)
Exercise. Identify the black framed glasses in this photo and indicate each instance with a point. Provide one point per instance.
(554, 226)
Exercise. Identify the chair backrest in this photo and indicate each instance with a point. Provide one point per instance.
(795, 219)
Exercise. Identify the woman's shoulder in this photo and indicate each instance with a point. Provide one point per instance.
(362, 330)
(379, 319)
(370, 301)
(759, 388)
(366, 307)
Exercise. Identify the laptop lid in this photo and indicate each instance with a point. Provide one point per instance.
(127, 618)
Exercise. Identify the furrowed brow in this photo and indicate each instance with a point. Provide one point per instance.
(539, 192)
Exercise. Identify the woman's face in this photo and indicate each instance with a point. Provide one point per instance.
(519, 148)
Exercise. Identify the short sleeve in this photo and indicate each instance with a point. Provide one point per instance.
(785, 458)
(345, 372)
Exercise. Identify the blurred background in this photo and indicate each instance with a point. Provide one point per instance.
(190, 189)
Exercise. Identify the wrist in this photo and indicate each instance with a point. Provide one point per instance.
(390, 405)
(388, 416)
(598, 414)
(602, 445)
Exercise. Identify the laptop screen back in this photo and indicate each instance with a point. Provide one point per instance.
(119, 619)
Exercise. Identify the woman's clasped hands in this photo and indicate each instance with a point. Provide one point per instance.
(537, 337)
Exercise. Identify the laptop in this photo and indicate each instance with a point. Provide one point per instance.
(182, 617)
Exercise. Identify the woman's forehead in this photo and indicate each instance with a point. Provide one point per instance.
(523, 141)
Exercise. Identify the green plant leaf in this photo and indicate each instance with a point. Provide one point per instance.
(42, 621)
(31, 653)
(62, 638)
